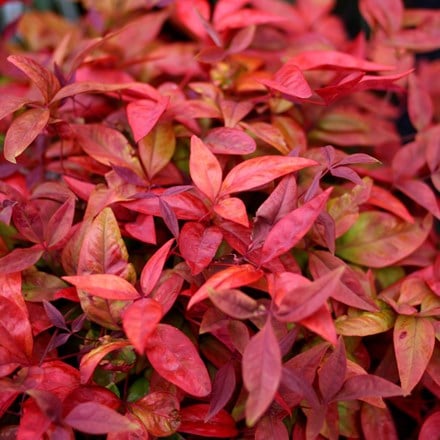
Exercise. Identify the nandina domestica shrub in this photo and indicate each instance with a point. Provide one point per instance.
(218, 220)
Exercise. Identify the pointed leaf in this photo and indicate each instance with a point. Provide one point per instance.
(96, 418)
(297, 383)
(60, 223)
(205, 169)
(377, 423)
(379, 239)
(55, 316)
(106, 286)
(223, 140)
(235, 303)
(45, 80)
(414, 340)
(23, 130)
(153, 268)
(11, 103)
(198, 245)
(176, 359)
(143, 115)
(169, 217)
(230, 278)
(292, 227)
(261, 372)
(20, 259)
(233, 209)
(261, 170)
(388, 14)
(271, 427)
(140, 320)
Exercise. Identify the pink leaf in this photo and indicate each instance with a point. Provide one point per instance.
(96, 418)
(272, 427)
(153, 268)
(261, 372)
(176, 359)
(292, 227)
(233, 209)
(223, 140)
(23, 131)
(60, 223)
(140, 320)
(205, 169)
(10, 103)
(388, 14)
(261, 170)
(234, 303)
(106, 286)
(430, 427)
(420, 105)
(20, 259)
(234, 276)
(198, 245)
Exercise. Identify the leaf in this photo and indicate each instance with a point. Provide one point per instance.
(96, 418)
(198, 245)
(157, 148)
(297, 383)
(377, 423)
(332, 373)
(142, 229)
(292, 227)
(379, 239)
(190, 15)
(235, 303)
(23, 131)
(140, 320)
(388, 14)
(91, 360)
(367, 385)
(271, 427)
(169, 217)
(366, 323)
(222, 425)
(223, 388)
(224, 140)
(230, 278)
(11, 103)
(106, 286)
(430, 427)
(420, 105)
(153, 268)
(60, 223)
(290, 82)
(233, 209)
(20, 259)
(414, 340)
(55, 316)
(261, 372)
(205, 169)
(143, 115)
(330, 59)
(159, 413)
(259, 171)
(45, 80)
(176, 359)
(305, 299)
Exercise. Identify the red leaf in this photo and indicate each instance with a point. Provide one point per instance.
(414, 340)
(235, 303)
(143, 115)
(430, 427)
(104, 286)
(297, 383)
(223, 387)
(46, 81)
(20, 259)
(23, 130)
(377, 423)
(91, 360)
(189, 14)
(168, 290)
(159, 413)
(233, 112)
(261, 372)
(332, 373)
(10, 103)
(205, 169)
(60, 223)
(271, 427)
(153, 268)
(388, 14)
(233, 209)
(223, 140)
(234, 276)
(305, 299)
(420, 105)
(198, 245)
(330, 59)
(289, 81)
(96, 418)
(222, 425)
(261, 170)
(142, 229)
(292, 227)
(140, 320)
(242, 40)
(176, 359)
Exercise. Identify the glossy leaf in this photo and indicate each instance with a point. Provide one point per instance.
(176, 359)
(414, 340)
(23, 131)
(198, 245)
(292, 227)
(261, 372)
(140, 320)
(379, 239)
(260, 171)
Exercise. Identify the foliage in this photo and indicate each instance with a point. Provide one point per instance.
(210, 224)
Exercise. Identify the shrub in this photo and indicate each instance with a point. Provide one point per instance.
(211, 224)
